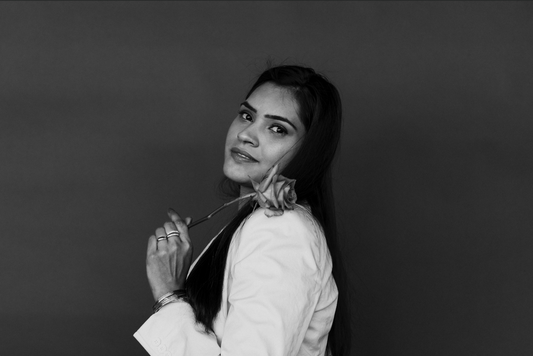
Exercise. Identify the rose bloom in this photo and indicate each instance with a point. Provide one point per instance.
(275, 193)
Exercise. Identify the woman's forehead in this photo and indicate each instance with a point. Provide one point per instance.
(271, 97)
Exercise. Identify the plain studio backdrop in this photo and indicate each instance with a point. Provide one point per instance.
(112, 112)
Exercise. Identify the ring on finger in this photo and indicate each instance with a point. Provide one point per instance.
(161, 238)
(173, 233)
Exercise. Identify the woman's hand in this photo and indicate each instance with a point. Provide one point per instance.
(168, 260)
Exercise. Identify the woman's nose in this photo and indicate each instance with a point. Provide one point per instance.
(249, 136)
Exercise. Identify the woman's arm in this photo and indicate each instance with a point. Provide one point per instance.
(172, 330)
(274, 284)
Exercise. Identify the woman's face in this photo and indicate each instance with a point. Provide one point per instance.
(266, 130)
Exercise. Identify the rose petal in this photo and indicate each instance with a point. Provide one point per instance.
(281, 197)
(275, 192)
(275, 199)
(273, 212)
(266, 182)
(292, 197)
(255, 184)
(263, 201)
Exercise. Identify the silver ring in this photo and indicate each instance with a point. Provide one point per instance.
(173, 233)
(161, 238)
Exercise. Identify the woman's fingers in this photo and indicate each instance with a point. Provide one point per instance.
(172, 232)
(174, 216)
(171, 229)
(181, 225)
(161, 237)
(152, 244)
(169, 256)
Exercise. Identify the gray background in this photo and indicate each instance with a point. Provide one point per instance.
(111, 112)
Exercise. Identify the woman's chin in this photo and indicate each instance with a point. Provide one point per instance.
(239, 176)
(240, 180)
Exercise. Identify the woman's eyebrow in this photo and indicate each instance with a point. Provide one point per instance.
(249, 106)
(268, 116)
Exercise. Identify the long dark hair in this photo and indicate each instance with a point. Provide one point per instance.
(320, 111)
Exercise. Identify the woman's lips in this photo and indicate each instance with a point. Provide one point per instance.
(242, 156)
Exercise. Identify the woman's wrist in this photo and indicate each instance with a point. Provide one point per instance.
(160, 289)
(171, 297)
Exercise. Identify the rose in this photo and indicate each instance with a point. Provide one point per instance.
(275, 193)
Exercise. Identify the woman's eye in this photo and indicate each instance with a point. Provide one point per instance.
(278, 129)
(245, 116)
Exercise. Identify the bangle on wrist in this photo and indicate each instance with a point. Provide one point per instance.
(175, 296)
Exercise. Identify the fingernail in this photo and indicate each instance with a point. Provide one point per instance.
(171, 211)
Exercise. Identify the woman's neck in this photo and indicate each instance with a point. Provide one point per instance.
(244, 191)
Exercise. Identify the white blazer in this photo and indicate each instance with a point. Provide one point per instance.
(278, 298)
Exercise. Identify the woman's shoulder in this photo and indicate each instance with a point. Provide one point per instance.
(298, 218)
(294, 227)
(293, 236)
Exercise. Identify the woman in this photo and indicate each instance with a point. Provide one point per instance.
(271, 282)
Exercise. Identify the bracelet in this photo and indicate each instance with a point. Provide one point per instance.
(178, 292)
(168, 298)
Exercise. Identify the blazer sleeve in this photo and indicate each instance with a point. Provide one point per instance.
(173, 331)
(274, 284)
